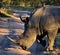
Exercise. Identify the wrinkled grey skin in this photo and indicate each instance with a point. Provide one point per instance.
(45, 19)
(50, 22)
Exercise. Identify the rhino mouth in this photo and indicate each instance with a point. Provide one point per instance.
(17, 42)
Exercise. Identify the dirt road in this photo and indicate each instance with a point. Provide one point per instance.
(11, 28)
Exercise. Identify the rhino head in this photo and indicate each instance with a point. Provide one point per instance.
(28, 37)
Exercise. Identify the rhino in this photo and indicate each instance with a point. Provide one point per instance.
(44, 21)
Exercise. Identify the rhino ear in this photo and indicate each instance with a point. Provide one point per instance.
(25, 19)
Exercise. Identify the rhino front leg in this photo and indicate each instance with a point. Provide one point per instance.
(51, 38)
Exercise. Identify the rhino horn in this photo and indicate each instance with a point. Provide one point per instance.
(12, 40)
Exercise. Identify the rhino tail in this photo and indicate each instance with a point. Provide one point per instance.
(12, 40)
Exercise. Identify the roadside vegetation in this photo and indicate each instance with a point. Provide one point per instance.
(17, 5)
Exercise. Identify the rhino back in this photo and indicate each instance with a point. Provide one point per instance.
(51, 15)
(55, 12)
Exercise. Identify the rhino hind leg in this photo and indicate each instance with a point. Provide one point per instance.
(51, 38)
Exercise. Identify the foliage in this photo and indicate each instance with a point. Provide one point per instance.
(33, 3)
